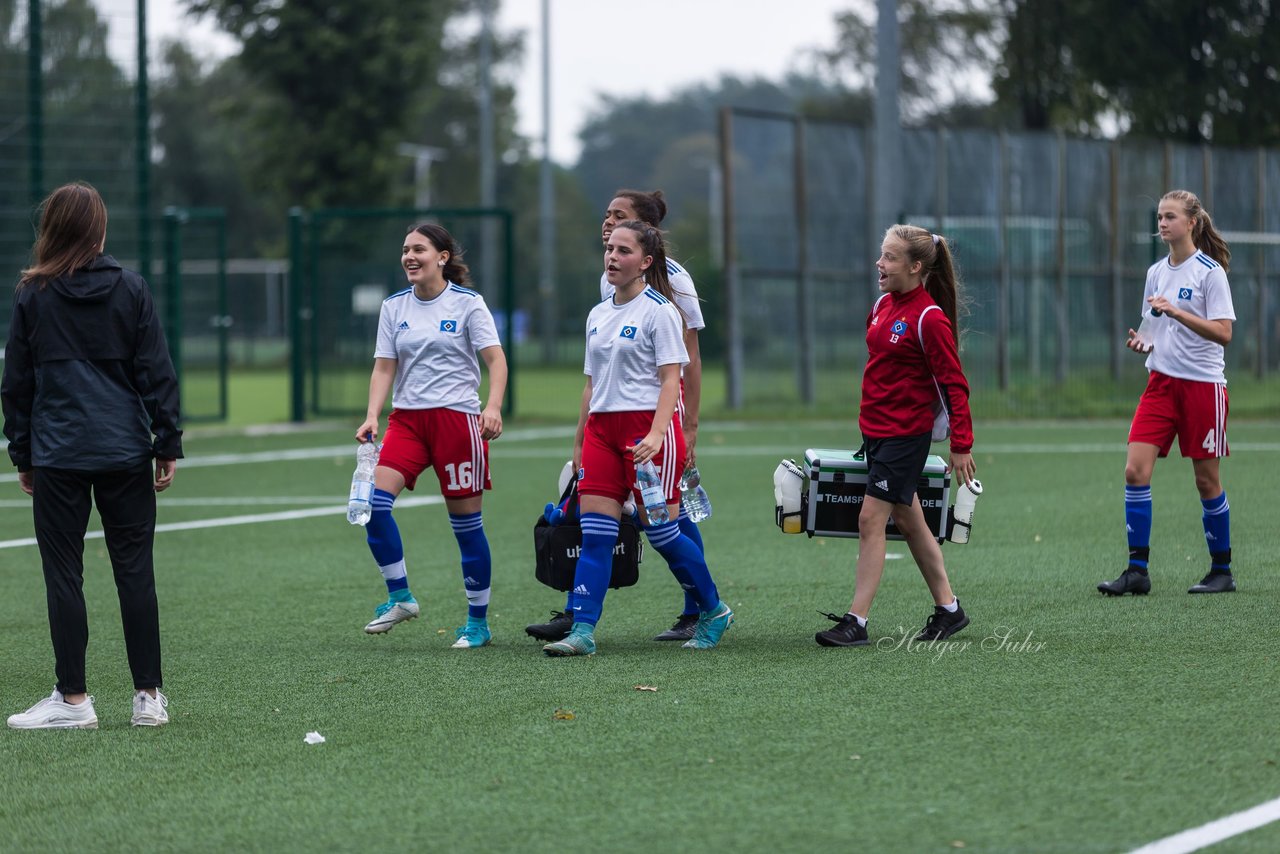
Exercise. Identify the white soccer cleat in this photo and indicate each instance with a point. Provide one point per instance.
(390, 613)
(150, 711)
(54, 712)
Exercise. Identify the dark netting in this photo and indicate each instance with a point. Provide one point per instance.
(1053, 238)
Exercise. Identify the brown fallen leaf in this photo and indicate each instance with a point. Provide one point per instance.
(653, 688)
(563, 715)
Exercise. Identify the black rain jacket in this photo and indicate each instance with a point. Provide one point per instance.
(88, 384)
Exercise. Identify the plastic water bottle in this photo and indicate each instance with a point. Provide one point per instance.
(966, 498)
(1147, 330)
(693, 497)
(652, 493)
(360, 502)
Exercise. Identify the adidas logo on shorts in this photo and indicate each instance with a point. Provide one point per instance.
(882, 484)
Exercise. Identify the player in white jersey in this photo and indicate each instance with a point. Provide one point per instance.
(628, 418)
(651, 208)
(1188, 318)
(429, 336)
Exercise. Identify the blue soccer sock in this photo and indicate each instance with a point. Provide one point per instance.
(383, 537)
(477, 568)
(1217, 530)
(690, 529)
(595, 565)
(686, 562)
(1137, 517)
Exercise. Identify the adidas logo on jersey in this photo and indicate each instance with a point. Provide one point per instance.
(882, 484)
(580, 590)
(404, 324)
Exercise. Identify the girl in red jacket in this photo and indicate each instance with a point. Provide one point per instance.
(912, 364)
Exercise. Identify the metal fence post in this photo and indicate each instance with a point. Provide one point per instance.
(35, 101)
(732, 296)
(804, 303)
(297, 375)
(173, 218)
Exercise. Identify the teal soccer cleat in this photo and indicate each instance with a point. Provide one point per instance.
(474, 634)
(710, 628)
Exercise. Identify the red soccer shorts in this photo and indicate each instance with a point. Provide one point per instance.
(608, 469)
(445, 439)
(1196, 412)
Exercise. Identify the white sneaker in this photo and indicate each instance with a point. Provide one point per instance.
(390, 613)
(149, 710)
(54, 712)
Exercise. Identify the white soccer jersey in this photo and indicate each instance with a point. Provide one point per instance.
(1198, 285)
(686, 294)
(626, 344)
(434, 343)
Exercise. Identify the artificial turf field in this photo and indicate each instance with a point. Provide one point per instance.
(1068, 722)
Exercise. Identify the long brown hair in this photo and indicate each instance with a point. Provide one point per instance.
(454, 270)
(938, 269)
(1205, 237)
(653, 244)
(73, 228)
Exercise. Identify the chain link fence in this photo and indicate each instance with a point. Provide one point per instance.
(1053, 236)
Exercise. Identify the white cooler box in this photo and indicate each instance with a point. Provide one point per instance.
(838, 482)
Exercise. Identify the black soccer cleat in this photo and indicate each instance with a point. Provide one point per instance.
(1217, 581)
(943, 624)
(682, 630)
(847, 632)
(1132, 580)
(557, 629)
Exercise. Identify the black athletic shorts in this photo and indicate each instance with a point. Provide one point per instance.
(894, 466)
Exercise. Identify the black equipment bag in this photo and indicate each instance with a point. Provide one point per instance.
(556, 548)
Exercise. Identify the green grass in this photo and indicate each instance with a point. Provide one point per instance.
(1133, 719)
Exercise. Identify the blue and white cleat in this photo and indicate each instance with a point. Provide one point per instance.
(474, 634)
(710, 628)
(580, 641)
(391, 613)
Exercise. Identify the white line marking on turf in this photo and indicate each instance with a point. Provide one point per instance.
(226, 521)
(1215, 831)
(239, 500)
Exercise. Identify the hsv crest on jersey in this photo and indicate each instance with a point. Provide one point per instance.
(629, 332)
(448, 326)
(1184, 293)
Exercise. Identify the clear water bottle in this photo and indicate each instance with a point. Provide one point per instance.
(966, 498)
(652, 493)
(1147, 330)
(360, 502)
(693, 497)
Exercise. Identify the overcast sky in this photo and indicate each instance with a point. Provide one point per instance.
(621, 49)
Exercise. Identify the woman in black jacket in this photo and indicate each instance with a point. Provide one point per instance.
(90, 401)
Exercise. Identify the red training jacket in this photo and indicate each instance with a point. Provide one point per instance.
(898, 393)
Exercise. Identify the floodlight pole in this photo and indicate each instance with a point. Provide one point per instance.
(887, 179)
(488, 193)
(546, 204)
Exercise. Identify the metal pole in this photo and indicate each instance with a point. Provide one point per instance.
(297, 376)
(546, 204)
(804, 313)
(173, 219)
(1260, 370)
(143, 133)
(733, 328)
(1002, 269)
(888, 145)
(509, 302)
(1063, 312)
(35, 101)
(488, 242)
(1113, 248)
